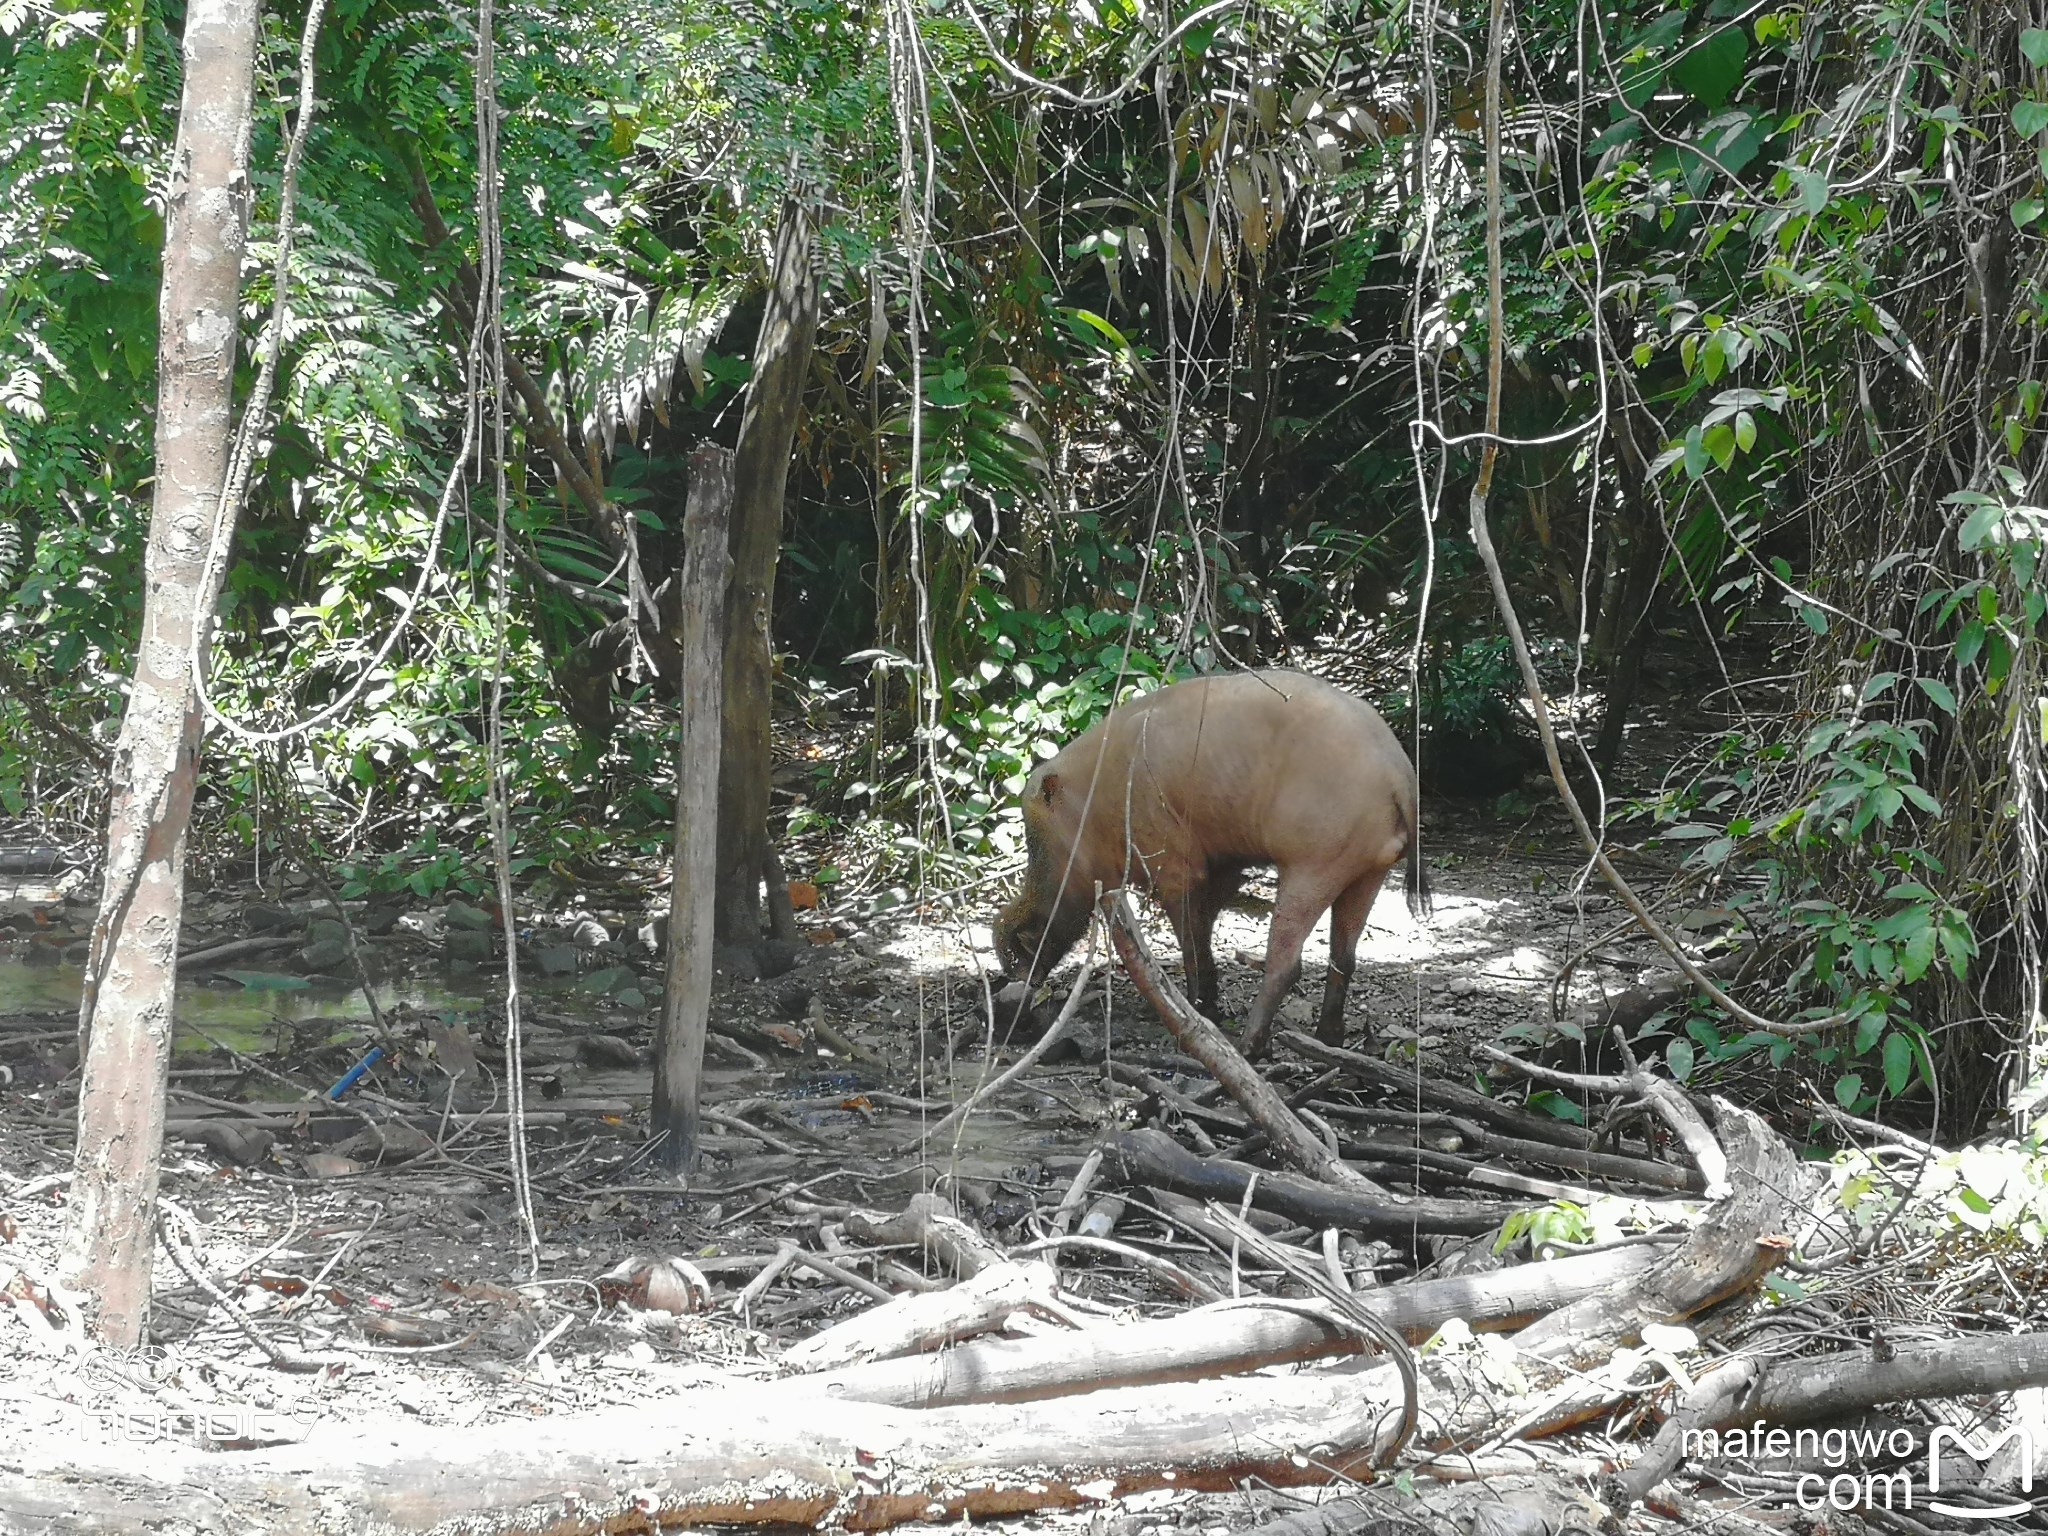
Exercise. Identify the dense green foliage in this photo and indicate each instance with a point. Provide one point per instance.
(1196, 370)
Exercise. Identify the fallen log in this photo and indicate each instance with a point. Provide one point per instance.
(1153, 1157)
(1224, 1339)
(750, 1456)
(1804, 1390)
(928, 1223)
(928, 1319)
(1739, 1243)
(1468, 1102)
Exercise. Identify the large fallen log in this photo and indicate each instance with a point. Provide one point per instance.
(1739, 1243)
(745, 1456)
(1153, 1157)
(1223, 1339)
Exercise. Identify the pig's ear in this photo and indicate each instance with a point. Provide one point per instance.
(1049, 788)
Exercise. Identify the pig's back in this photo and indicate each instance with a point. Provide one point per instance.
(1272, 766)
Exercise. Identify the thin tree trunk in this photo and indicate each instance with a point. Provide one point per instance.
(782, 361)
(686, 1002)
(125, 1013)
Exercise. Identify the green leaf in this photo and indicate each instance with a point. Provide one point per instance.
(1980, 525)
(1719, 440)
(1813, 189)
(2030, 117)
(1898, 1061)
(1745, 431)
(1679, 1054)
(1970, 642)
(1939, 692)
(2026, 210)
(1710, 70)
(1816, 618)
(2034, 44)
(1848, 1089)
(268, 981)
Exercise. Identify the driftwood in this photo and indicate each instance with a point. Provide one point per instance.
(926, 1320)
(1212, 1048)
(1732, 1250)
(1224, 1339)
(1153, 1157)
(929, 1223)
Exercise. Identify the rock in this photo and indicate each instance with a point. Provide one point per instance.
(460, 914)
(867, 988)
(741, 961)
(467, 944)
(630, 997)
(558, 959)
(77, 954)
(653, 936)
(323, 956)
(379, 920)
(331, 1165)
(1463, 986)
(322, 929)
(589, 933)
(1297, 1013)
(778, 957)
(794, 1002)
(262, 917)
(462, 970)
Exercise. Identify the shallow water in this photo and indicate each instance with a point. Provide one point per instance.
(246, 1017)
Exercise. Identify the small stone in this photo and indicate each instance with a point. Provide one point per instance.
(39, 954)
(324, 955)
(608, 981)
(778, 957)
(467, 944)
(630, 997)
(77, 954)
(322, 929)
(1463, 986)
(1297, 1012)
(558, 959)
(460, 914)
(794, 1001)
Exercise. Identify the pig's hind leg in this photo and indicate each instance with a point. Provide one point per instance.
(1295, 910)
(1347, 922)
(1191, 908)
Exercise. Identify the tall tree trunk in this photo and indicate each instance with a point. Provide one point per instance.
(125, 1014)
(686, 999)
(782, 361)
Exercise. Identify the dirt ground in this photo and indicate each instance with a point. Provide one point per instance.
(317, 1269)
